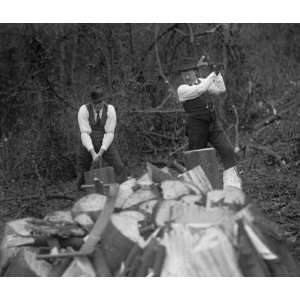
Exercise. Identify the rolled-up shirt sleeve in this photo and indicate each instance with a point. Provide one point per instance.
(85, 128)
(218, 86)
(186, 92)
(109, 128)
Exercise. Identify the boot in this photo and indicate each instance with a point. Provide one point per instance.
(232, 178)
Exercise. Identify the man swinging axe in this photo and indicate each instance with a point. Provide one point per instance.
(197, 97)
(97, 123)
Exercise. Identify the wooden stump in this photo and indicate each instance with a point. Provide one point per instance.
(106, 175)
(208, 161)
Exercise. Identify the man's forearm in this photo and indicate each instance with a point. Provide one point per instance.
(107, 140)
(187, 92)
(87, 141)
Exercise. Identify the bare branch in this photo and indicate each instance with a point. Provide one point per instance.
(269, 152)
(155, 111)
(192, 38)
(172, 89)
(236, 130)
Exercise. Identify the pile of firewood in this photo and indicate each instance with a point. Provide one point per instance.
(161, 224)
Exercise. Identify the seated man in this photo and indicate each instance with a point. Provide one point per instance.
(97, 122)
(196, 96)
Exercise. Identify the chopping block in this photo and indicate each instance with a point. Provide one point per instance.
(207, 159)
(105, 175)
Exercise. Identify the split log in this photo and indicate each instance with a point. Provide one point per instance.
(206, 158)
(59, 216)
(120, 236)
(59, 266)
(19, 227)
(85, 221)
(58, 229)
(15, 233)
(91, 205)
(130, 265)
(193, 199)
(147, 259)
(164, 212)
(100, 264)
(25, 264)
(126, 189)
(196, 252)
(174, 189)
(157, 174)
(159, 260)
(197, 177)
(185, 213)
(80, 267)
(230, 195)
(143, 194)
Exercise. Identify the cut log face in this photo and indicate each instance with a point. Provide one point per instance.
(80, 267)
(192, 199)
(145, 179)
(189, 213)
(125, 191)
(233, 195)
(84, 221)
(25, 264)
(174, 189)
(141, 195)
(120, 236)
(164, 212)
(157, 175)
(90, 204)
(59, 216)
(214, 197)
(19, 227)
(13, 240)
(64, 230)
(148, 206)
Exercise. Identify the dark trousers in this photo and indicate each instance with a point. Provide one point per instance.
(200, 132)
(111, 156)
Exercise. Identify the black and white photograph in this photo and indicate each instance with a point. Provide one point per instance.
(149, 149)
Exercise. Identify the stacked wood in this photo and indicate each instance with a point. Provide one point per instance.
(160, 224)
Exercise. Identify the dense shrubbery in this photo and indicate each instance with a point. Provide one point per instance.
(47, 70)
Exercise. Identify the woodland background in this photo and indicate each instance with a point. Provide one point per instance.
(46, 73)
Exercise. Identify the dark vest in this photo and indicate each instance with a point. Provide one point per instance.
(201, 108)
(98, 129)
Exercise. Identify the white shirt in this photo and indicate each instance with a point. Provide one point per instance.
(85, 128)
(213, 83)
